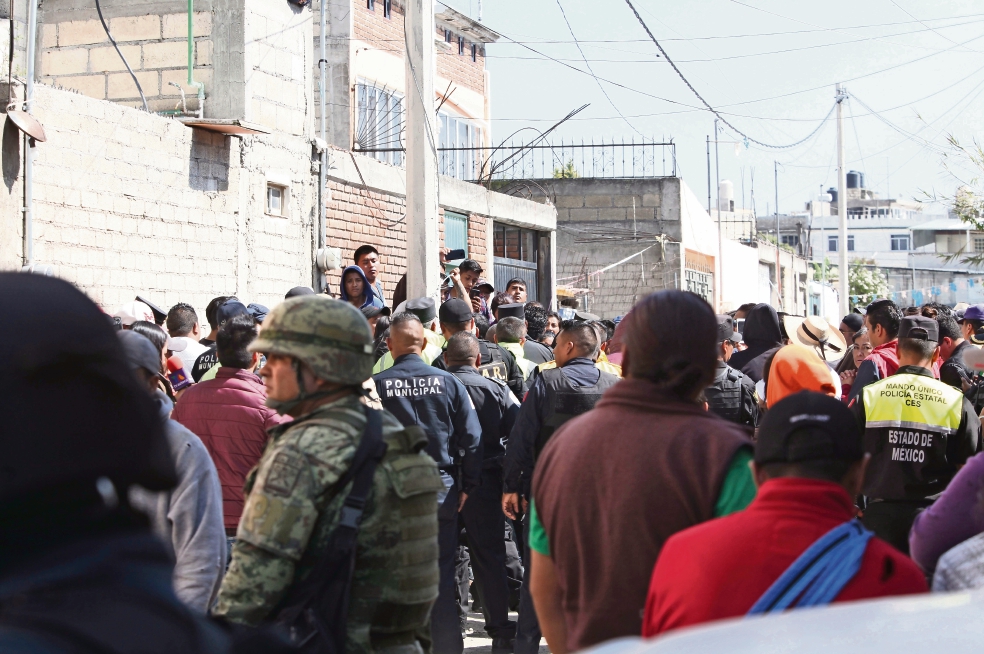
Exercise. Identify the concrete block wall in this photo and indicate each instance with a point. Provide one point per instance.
(279, 85)
(128, 202)
(595, 228)
(77, 55)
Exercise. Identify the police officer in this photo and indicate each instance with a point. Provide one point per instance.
(420, 394)
(918, 431)
(81, 570)
(318, 354)
(456, 316)
(732, 394)
(556, 395)
(497, 409)
(424, 309)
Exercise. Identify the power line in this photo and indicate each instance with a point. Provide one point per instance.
(740, 56)
(943, 36)
(707, 104)
(597, 81)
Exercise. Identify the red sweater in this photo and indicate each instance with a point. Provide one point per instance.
(719, 569)
(229, 414)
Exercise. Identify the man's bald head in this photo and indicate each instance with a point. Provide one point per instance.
(406, 335)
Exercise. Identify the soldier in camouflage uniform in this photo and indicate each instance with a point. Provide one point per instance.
(319, 352)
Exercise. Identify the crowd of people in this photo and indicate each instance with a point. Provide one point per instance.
(351, 474)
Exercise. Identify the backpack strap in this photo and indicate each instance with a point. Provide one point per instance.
(316, 609)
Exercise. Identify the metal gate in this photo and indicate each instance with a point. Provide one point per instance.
(506, 269)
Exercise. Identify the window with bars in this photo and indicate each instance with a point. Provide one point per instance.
(514, 243)
(456, 231)
(379, 123)
(457, 133)
(979, 244)
(790, 239)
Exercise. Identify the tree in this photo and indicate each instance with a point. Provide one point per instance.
(966, 165)
(866, 284)
(567, 171)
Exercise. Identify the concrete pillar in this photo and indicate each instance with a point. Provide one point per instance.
(422, 212)
(340, 110)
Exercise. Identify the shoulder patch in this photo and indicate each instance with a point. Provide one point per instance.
(284, 471)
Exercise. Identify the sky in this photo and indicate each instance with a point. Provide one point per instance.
(769, 67)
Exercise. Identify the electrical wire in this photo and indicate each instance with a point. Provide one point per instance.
(597, 81)
(857, 138)
(707, 104)
(942, 36)
(125, 63)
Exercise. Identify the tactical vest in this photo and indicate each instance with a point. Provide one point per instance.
(395, 581)
(496, 367)
(565, 401)
(525, 365)
(724, 396)
(604, 366)
(908, 419)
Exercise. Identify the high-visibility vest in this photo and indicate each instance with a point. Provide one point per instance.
(908, 419)
(604, 366)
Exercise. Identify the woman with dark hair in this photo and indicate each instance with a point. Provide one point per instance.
(645, 463)
(159, 338)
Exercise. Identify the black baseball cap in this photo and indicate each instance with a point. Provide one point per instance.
(807, 426)
(726, 329)
(372, 311)
(920, 328)
(512, 310)
(298, 291)
(455, 311)
(854, 320)
(230, 309)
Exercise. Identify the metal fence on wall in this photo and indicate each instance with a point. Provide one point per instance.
(566, 159)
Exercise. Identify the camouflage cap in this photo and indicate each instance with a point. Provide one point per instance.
(330, 336)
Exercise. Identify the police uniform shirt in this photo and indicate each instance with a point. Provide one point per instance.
(205, 362)
(518, 464)
(918, 431)
(502, 367)
(496, 406)
(419, 394)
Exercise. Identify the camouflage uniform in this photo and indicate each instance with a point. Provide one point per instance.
(293, 505)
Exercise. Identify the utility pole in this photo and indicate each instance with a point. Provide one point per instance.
(775, 171)
(422, 203)
(708, 175)
(717, 176)
(845, 300)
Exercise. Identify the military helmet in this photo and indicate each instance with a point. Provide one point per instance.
(330, 336)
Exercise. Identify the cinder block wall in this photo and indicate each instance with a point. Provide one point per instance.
(76, 54)
(128, 202)
(595, 229)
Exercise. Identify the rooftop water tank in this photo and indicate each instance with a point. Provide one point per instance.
(854, 179)
(726, 195)
(833, 194)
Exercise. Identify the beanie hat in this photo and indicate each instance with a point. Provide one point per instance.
(798, 368)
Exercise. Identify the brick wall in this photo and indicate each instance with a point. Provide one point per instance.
(358, 216)
(77, 55)
(128, 202)
(460, 68)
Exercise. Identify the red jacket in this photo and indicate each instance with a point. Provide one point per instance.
(229, 414)
(719, 569)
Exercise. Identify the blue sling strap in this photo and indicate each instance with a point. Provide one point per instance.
(820, 573)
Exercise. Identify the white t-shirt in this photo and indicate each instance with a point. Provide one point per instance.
(191, 352)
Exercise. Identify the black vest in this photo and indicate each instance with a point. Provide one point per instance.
(565, 401)
(493, 365)
(724, 395)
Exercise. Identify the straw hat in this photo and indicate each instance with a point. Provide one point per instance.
(815, 332)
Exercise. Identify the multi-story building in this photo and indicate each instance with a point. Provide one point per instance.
(221, 177)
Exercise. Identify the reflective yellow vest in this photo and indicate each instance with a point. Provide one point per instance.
(432, 349)
(604, 366)
(908, 421)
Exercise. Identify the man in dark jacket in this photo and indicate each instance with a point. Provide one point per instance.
(953, 346)
(497, 409)
(497, 363)
(762, 335)
(732, 393)
(80, 571)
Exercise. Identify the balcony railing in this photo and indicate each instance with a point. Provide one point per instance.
(582, 159)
